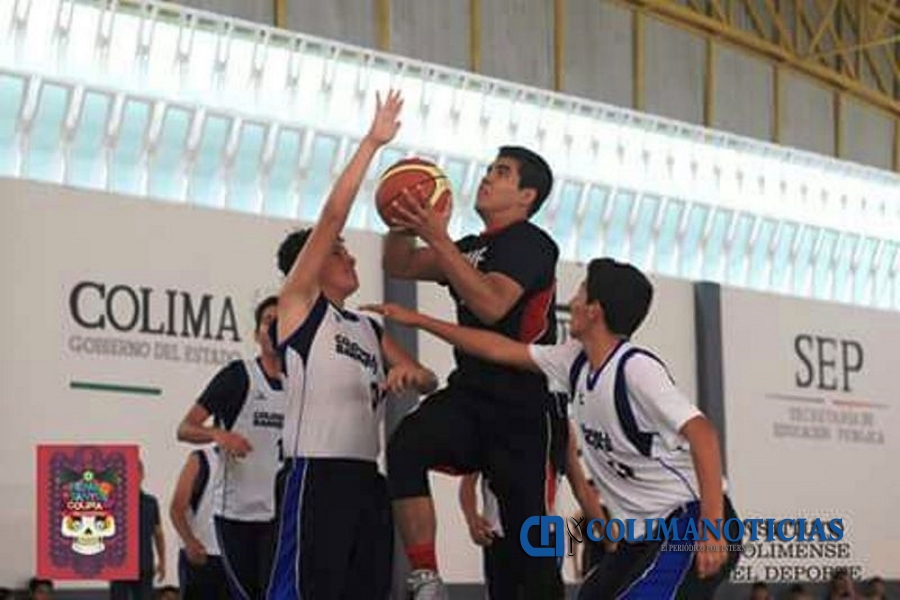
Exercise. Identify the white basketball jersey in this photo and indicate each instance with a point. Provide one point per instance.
(334, 368)
(628, 414)
(245, 487)
(200, 518)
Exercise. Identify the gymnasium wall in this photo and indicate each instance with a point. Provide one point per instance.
(811, 421)
(52, 240)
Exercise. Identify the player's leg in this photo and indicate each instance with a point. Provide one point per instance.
(264, 541)
(442, 433)
(499, 577)
(191, 578)
(371, 564)
(516, 465)
(618, 571)
(118, 590)
(705, 589)
(319, 523)
(235, 539)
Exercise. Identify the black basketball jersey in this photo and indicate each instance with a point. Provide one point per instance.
(528, 255)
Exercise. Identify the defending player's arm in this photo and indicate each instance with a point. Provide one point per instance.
(586, 496)
(179, 507)
(300, 287)
(221, 398)
(651, 386)
(479, 528)
(704, 440)
(405, 373)
(477, 342)
(489, 296)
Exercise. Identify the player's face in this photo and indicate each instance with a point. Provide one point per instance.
(262, 332)
(577, 309)
(339, 271)
(581, 312)
(499, 188)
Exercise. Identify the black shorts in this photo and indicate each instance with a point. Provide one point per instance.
(647, 571)
(202, 582)
(463, 430)
(335, 537)
(246, 548)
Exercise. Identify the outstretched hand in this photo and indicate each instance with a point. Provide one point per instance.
(385, 124)
(395, 312)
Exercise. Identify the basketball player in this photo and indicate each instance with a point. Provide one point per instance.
(336, 532)
(201, 575)
(486, 530)
(650, 450)
(490, 418)
(247, 403)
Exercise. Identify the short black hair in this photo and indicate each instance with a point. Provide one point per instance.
(623, 291)
(35, 582)
(261, 308)
(759, 585)
(534, 173)
(290, 248)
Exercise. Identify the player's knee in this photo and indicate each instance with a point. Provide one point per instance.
(404, 454)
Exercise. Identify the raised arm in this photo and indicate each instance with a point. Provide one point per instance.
(301, 287)
(490, 296)
(477, 342)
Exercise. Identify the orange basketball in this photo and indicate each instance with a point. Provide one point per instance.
(424, 180)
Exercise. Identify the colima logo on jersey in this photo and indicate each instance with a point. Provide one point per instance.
(173, 313)
(732, 530)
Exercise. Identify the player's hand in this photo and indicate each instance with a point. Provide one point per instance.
(385, 124)
(406, 377)
(709, 559)
(426, 222)
(160, 571)
(234, 444)
(480, 531)
(394, 312)
(196, 552)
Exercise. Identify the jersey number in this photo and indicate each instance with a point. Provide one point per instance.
(623, 471)
(377, 394)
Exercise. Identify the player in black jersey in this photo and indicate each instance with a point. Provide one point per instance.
(490, 418)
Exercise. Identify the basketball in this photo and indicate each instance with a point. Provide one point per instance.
(422, 178)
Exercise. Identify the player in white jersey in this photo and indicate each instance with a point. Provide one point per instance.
(247, 403)
(336, 533)
(201, 575)
(652, 453)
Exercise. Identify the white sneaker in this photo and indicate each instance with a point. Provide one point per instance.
(425, 584)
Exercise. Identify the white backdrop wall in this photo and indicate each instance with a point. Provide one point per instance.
(812, 418)
(51, 239)
(668, 331)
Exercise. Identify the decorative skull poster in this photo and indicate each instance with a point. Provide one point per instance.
(88, 509)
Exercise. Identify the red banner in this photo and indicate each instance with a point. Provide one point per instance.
(88, 512)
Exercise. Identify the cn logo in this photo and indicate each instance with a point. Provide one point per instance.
(545, 550)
